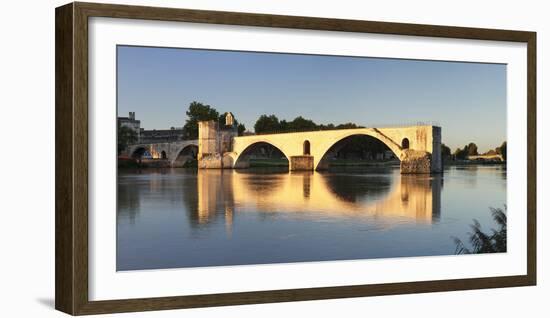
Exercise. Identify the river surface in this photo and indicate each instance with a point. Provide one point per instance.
(187, 218)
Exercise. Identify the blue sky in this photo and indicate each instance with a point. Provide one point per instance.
(468, 100)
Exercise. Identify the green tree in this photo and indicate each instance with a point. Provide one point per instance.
(301, 124)
(502, 150)
(471, 149)
(241, 129)
(198, 112)
(460, 154)
(445, 151)
(284, 126)
(326, 127)
(347, 126)
(267, 124)
(126, 136)
(221, 120)
(270, 124)
(494, 242)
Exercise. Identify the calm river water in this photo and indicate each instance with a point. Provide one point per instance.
(186, 218)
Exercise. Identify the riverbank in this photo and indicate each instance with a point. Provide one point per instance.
(447, 163)
(126, 163)
(267, 163)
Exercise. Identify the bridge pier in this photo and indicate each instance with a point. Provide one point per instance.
(416, 162)
(301, 163)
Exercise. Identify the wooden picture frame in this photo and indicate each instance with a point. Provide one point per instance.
(71, 90)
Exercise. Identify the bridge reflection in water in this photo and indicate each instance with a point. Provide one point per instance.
(226, 193)
(176, 218)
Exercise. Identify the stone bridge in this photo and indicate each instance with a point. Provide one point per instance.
(177, 153)
(417, 147)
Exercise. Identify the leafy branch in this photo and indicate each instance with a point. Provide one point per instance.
(481, 242)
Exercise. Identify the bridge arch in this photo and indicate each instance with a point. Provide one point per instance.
(241, 156)
(138, 152)
(321, 155)
(184, 154)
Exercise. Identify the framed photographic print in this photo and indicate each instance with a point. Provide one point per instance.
(211, 158)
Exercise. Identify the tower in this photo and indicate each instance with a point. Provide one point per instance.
(229, 119)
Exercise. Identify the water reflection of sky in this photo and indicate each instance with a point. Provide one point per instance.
(187, 218)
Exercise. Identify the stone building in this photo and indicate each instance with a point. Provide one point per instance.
(131, 123)
(150, 136)
(161, 135)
